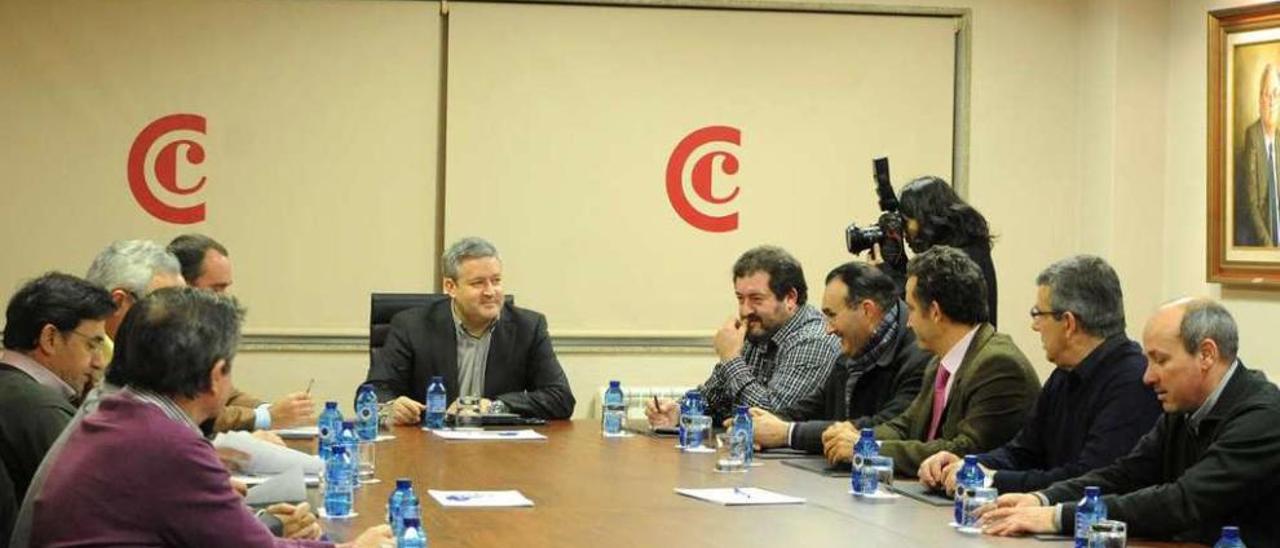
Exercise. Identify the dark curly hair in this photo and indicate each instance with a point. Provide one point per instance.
(947, 276)
(944, 218)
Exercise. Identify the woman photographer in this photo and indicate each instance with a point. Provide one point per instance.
(935, 215)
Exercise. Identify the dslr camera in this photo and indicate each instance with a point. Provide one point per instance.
(888, 231)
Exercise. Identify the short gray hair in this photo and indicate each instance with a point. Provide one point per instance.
(461, 250)
(130, 265)
(1087, 287)
(1206, 319)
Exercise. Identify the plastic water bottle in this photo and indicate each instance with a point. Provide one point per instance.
(1089, 511)
(866, 447)
(329, 424)
(742, 437)
(413, 536)
(1230, 538)
(337, 482)
(969, 477)
(404, 486)
(614, 411)
(366, 429)
(347, 438)
(410, 509)
(436, 396)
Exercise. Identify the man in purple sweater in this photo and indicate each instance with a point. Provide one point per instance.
(138, 472)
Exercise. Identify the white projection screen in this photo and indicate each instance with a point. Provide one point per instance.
(563, 124)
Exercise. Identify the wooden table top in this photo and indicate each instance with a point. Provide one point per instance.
(589, 491)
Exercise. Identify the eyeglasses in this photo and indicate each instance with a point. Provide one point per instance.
(1036, 313)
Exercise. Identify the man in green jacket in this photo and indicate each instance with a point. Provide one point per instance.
(977, 391)
(1212, 460)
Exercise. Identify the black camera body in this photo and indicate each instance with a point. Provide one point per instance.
(889, 230)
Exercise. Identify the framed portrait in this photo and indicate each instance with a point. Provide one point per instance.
(1244, 146)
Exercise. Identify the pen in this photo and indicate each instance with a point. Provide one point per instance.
(508, 433)
(309, 383)
(655, 403)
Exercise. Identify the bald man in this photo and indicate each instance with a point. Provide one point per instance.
(1213, 458)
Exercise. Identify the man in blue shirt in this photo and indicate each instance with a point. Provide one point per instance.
(1094, 406)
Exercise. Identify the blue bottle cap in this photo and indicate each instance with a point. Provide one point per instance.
(615, 384)
(437, 378)
(338, 450)
(348, 425)
(404, 483)
(1092, 491)
(868, 432)
(331, 405)
(415, 523)
(971, 459)
(1231, 532)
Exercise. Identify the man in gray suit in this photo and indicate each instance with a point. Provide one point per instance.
(1257, 214)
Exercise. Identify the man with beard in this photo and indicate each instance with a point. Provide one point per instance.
(773, 352)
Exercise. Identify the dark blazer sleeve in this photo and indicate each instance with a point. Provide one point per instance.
(548, 395)
(391, 369)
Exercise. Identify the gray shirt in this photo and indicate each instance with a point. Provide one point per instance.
(473, 354)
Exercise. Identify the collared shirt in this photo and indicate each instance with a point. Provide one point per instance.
(40, 373)
(776, 373)
(952, 359)
(473, 356)
(166, 404)
(1193, 421)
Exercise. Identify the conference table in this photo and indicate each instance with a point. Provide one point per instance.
(589, 490)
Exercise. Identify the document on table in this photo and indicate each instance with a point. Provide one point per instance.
(308, 432)
(311, 480)
(738, 496)
(489, 435)
(265, 458)
(287, 487)
(479, 499)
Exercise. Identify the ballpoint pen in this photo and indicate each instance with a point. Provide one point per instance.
(309, 384)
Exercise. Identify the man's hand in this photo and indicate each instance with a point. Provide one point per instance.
(666, 413)
(839, 448)
(836, 429)
(729, 339)
(295, 409)
(268, 436)
(373, 537)
(1009, 521)
(952, 473)
(404, 410)
(299, 522)
(932, 470)
(485, 405)
(770, 430)
(239, 487)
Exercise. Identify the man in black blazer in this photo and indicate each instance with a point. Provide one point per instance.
(481, 345)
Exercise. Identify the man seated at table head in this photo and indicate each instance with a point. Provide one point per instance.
(52, 337)
(979, 388)
(1094, 406)
(482, 346)
(773, 351)
(1212, 460)
(178, 345)
(206, 264)
(879, 371)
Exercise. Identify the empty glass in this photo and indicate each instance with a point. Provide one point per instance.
(875, 473)
(975, 499)
(1108, 534)
(468, 412)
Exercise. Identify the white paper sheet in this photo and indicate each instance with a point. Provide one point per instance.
(736, 496)
(267, 459)
(311, 432)
(479, 499)
(489, 435)
(287, 487)
(310, 480)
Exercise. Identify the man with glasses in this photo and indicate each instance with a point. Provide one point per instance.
(1094, 406)
(53, 336)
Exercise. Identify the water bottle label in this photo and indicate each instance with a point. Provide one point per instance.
(366, 413)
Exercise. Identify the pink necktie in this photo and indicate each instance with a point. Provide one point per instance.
(939, 400)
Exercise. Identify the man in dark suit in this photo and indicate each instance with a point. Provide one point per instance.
(481, 345)
(977, 391)
(1257, 220)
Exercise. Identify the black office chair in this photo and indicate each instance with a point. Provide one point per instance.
(384, 306)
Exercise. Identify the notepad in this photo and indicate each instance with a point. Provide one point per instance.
(489, 435)
(740, 496)
(480, 499)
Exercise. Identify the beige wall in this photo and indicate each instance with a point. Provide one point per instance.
(1088, 135)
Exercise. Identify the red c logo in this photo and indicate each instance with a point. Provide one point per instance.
(166, 168)
(701, 177)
